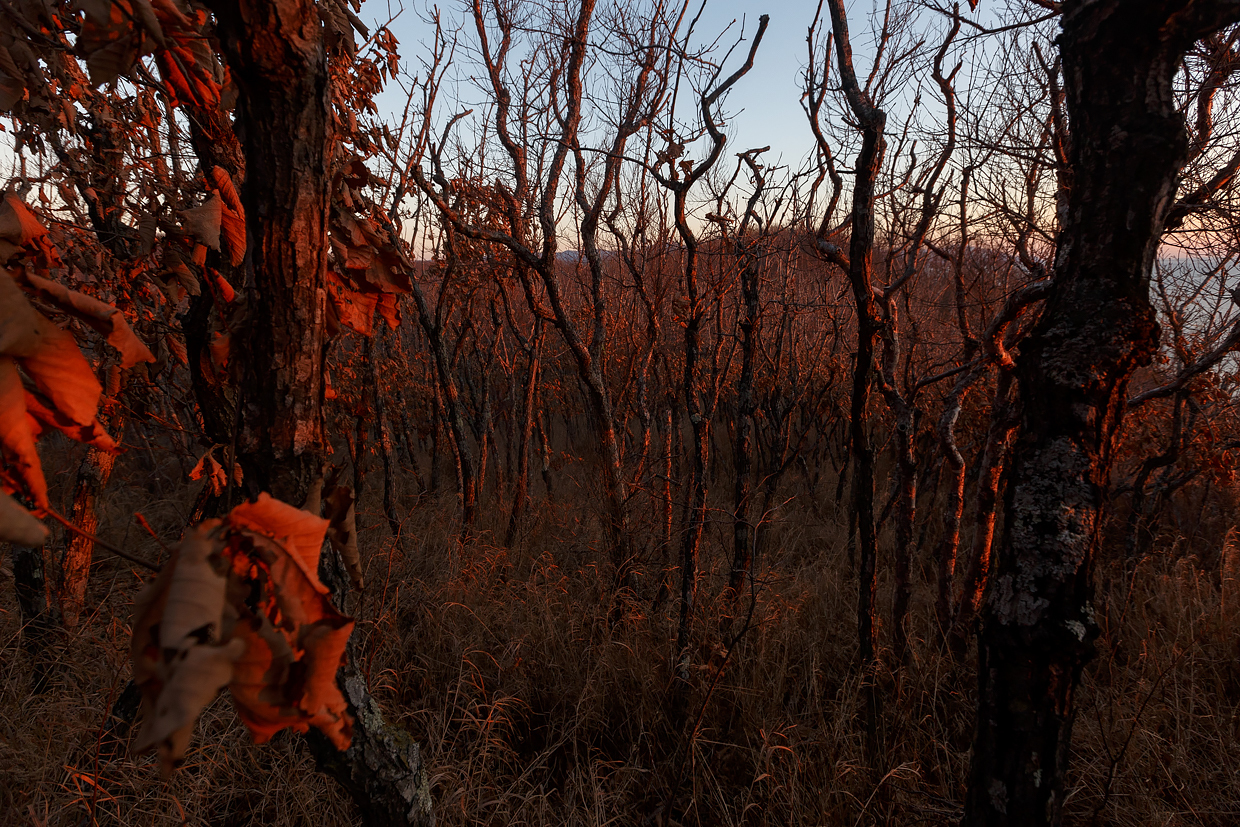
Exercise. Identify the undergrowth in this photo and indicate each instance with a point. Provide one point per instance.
(539, 700)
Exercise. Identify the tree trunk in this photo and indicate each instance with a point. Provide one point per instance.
(521, 494)
(906, 518)
(34, 610)
(92, 479)
(1128, 145)
(387, 446)
(277, 55)
(742, 523)
(953, 513)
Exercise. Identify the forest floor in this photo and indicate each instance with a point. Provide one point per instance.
(536, 701)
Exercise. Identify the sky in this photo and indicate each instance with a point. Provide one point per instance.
(763, 105)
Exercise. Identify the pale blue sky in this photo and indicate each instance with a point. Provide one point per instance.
(764, 103)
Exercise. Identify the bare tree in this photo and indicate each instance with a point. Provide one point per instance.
(1128, 145)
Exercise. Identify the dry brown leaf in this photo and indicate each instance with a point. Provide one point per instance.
(108, 40)
(60, 371)
(100, 315)
(208, 467)
(226, 290)
(17, 525)
(233, 221)
(19, 321)
(389, 309)
(16, 435)
(196, 595)
(354, 310)
(203, 221)
(150, 22)
(179, 663)
(269, 692)
(221, 347)
(233, 227)
(147, 225)
(299, 530)
(287, 676)
(45, 415)
(342, 531)
(18, 224)
(12, 86)
(239, 604)
(195, 677)
(177, 348)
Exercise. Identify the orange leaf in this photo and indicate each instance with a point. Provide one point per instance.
(226, 290)
(207, 466)
(17, 525)
(100, 315)
(19, 321)
(48, 417)
(295, 642)
(301, 531)
(233, 220)
(16, 436)
(389, 310)
(17, 223)
(356, 310)
(60, 371)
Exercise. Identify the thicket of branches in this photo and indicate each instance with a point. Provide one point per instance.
(548, 303)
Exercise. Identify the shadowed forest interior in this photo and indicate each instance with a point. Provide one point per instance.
(471, 431)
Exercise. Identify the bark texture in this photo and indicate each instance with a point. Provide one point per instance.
(1128, 145)
(92, 481)
(278, 57)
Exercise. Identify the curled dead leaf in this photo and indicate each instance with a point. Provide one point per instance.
(61, 373)
(203, 222)
(179, 660)
(18, 224)
(240, 604)
(100, 315)
(17, 525)
(19, 321)
(17, 436)
(208, 466)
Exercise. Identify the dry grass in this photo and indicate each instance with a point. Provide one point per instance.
(534, 708)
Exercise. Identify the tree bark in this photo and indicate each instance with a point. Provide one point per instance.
(743, 446)
(872, 121)
(92, 479)
(521, 493)
(1128, 146)
(278, 57)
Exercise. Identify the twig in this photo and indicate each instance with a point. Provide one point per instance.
(100, 543)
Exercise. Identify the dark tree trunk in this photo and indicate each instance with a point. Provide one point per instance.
(1003, 421)
(743, 445)
(37, 614)
(906, 518)
(277, 55)
(1128, 145)
(529, 412)
(278, 60)
(387, 446)
(92, 481)
(860, 265)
